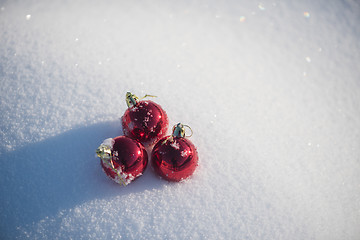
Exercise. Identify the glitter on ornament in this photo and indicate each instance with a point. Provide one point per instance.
(123, 159)
(144, 120)
(175, 157)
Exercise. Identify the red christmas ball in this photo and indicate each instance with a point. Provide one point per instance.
(144, 120)
(174, 157)
(123, 159)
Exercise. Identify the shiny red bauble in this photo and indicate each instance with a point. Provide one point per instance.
(144, 121)
(174, 158)
(123, 159)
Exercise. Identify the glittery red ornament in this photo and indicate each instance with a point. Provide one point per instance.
(144, 120)
(123, 159)
(174, 157)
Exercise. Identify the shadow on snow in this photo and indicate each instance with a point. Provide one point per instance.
(59, 173)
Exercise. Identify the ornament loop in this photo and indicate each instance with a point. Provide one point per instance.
(190, 130)
(147, 95)
(104, 153)
(110, 164)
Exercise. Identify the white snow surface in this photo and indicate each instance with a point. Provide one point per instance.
(271, 90)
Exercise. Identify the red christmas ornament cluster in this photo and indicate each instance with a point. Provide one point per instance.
(124, 158)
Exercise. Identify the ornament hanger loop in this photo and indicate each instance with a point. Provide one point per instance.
(190, 130)
(110, 164)
(147, 95)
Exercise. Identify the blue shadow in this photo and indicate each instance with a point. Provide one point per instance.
(59, 173)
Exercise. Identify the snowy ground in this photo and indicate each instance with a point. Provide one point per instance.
(271, 90)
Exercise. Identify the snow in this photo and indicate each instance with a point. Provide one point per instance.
(109, 142)
(175, 145)
(270, 89)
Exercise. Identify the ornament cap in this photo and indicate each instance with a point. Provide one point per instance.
(132, 99)
(104, 150)
(179, 130)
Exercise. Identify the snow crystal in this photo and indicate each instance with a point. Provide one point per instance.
(146, 121)
(131, 126)
(134, 109)
(184, 153)
(175, 145)
(109, 142)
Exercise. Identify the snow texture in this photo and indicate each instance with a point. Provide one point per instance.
(271, 90)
